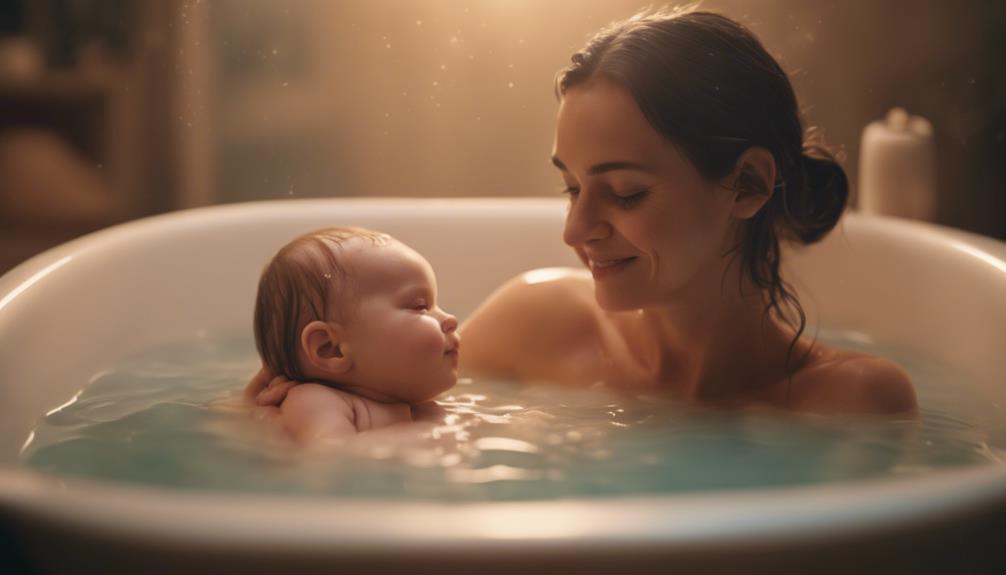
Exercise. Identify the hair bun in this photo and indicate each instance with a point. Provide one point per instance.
(813, 209)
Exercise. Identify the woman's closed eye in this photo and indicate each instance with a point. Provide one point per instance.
(630, 199)
(571, 191)
(622, 200)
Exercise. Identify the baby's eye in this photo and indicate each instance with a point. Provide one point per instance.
(421, 306)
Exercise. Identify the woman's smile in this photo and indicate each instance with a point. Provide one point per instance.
(602, 267)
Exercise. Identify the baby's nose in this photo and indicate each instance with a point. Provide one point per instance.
(450, 323)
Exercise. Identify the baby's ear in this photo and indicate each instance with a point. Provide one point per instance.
(323, 348)
(753, 180)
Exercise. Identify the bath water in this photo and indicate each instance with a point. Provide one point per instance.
(173, 418)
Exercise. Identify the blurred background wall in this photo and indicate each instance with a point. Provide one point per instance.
(115, 109)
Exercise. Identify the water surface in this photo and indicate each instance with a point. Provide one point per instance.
(172, 417)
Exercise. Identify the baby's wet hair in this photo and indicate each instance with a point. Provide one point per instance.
(298, 286)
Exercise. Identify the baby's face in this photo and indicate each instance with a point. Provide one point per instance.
(403, 346)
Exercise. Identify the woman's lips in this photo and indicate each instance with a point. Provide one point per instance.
(606, 267)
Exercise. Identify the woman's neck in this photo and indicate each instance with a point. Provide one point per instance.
(714, 340)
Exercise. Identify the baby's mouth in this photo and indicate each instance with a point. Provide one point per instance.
(453, 351)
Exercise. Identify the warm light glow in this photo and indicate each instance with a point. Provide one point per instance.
(544, 275)
(32, 280)
(524, 523)
(505, 444)
(982, 255)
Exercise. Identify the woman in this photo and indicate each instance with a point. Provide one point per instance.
(681, 147)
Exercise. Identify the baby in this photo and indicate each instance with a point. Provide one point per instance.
(354, 312)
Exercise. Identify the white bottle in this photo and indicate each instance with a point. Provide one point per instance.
(897, 167)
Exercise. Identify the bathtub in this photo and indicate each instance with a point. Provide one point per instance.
(76, 309)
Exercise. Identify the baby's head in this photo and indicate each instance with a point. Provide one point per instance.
(356, 308)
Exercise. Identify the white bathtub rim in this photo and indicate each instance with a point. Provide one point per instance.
(761, 516)
(990, 250)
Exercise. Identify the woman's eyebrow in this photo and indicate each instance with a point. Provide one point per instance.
(606, 166)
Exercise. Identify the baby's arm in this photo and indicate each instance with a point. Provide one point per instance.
(312, 411)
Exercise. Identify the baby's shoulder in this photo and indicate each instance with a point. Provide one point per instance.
(310, 398)
(313, 410)
(850, 382)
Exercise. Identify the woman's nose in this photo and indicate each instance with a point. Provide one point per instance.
(584, 223)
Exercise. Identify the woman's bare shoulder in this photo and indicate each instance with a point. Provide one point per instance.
(841, 381)
(533, 315)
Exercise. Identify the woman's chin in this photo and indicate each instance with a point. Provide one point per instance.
(609, 300)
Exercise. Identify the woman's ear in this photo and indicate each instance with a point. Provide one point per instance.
(324, 349)
(753, 181)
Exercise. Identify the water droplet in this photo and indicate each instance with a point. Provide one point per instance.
(285, 84)
(435, 83)
(387, 45)
(387, 114)
(454, 39)
(419, 22)
(509, 85)
(443, 66)
(275, 51)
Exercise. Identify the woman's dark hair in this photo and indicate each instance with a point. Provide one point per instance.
(708, 85)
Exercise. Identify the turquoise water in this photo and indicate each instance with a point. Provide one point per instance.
(172, 417)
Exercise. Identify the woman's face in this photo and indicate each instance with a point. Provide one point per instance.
(650, 228)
